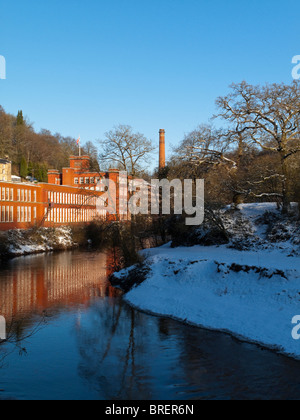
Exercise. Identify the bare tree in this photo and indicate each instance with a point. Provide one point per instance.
(125, 149)
(201, 151)
(270, 117)
(204, 145)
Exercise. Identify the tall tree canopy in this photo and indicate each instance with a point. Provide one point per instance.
(270, 117)
(125, 149)
(34, 153)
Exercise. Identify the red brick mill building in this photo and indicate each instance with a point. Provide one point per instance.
(68, 198)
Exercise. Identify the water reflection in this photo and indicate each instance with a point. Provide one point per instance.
(116, 361)
(158, 358)
(34, 284)
(94, 346)
(36, 288)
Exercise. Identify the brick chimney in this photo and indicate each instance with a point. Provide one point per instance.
(162, 149)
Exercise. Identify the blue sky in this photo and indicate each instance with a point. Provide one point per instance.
(81, 67)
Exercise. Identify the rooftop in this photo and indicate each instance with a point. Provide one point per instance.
(4, 161)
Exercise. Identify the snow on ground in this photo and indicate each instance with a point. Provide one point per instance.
(22, 242)
(251, 294)
(262, 226)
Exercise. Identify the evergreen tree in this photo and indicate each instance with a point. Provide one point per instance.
(20, 118)
(23, 168)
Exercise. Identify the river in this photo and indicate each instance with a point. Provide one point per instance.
(71, 336)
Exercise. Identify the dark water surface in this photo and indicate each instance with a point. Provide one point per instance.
(83, 342)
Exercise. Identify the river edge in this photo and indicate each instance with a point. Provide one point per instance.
(248, 288)
(218, 277)
(130, 279)
(252, 296)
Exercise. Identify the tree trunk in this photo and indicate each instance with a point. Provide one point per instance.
(237, 197)
(286, 196)
(237, 200)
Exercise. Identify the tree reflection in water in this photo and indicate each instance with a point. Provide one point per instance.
(126, 355)
(108, 345)
(18, 331)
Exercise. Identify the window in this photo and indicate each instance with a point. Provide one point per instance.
(81, 180)
(76, 181)
(87, 180)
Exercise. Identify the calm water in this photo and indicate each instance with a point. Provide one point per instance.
(80, 341)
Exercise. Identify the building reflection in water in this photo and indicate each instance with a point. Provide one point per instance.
(48, 282)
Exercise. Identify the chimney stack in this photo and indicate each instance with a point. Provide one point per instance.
(162, 149)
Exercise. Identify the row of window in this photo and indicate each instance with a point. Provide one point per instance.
(26, 196)
(67, 215)
(59, 215)
(87, 180)
(24, 214)
(69, 199)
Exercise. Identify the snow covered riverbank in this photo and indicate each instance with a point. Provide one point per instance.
(16, 243)
(252, 294)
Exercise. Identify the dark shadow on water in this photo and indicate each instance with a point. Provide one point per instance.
(158, 358)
